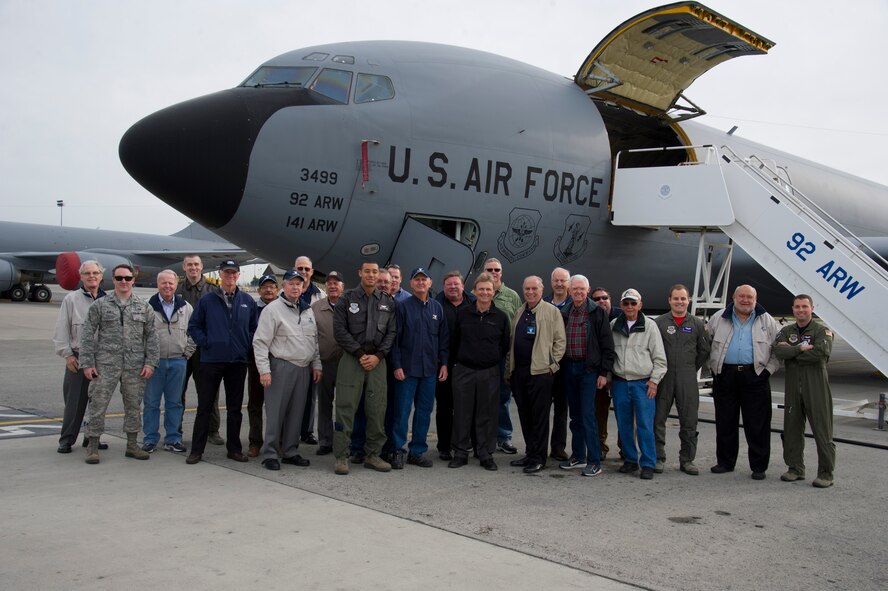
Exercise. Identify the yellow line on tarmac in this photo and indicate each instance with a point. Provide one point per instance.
(30, 421)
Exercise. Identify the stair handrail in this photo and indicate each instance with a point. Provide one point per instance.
(834, 227)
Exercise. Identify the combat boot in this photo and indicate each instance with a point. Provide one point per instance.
(92, 451)
(132, 448)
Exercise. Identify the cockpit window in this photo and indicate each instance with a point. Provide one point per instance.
(344, 59)
(280, 76)
(335, 84)
(317, 56)
(371, 87)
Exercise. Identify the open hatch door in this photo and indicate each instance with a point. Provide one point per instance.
(648, 61)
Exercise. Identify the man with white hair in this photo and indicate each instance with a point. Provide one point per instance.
(538, 344)
(560, 297)
(171, 316)
(588, 358)
(75, 387)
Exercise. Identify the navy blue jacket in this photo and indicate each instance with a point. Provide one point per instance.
(423, 339)
(223, 335)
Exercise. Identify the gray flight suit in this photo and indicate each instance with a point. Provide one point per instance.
(687, 349)
(807, 396)
(118, 339)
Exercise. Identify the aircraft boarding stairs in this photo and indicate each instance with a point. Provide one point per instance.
(801, 245)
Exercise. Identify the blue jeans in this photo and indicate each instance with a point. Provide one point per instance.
(579, 385)
(167, 381)
(635, 417)
(504, 426)
(418, 392)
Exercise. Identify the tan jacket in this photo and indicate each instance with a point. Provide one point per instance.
(330, 349)
(550, 342)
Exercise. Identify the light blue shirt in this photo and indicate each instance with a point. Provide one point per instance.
(168, 308)
(740, 348)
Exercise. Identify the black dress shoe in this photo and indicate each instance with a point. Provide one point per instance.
(310, 439)
(627, 468)
(520, 462)
(271, 464)
(758, 475)
(445, 455)
(237, 456)
(719, 469)
(64, 448)
(296, 460)
(193, 459)
(533, 468)
(458, 462)
(323, 450)
(489, 464)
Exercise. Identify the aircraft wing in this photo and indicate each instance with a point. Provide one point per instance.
(649, 60)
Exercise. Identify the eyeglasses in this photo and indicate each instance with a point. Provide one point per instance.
(303, 268)
(600, 298)
(124, 278)
(629, 303)
(494, 270)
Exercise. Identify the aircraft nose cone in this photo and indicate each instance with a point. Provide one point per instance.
(194, 156)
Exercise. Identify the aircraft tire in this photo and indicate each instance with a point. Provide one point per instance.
(40, 293)
(18, 293)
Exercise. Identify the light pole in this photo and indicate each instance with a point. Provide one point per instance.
(61, 204)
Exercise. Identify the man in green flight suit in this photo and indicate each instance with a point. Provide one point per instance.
(805, 347)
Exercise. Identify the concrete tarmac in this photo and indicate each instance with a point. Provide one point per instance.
(222, 524)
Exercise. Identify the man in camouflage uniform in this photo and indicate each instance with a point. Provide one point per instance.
(118, 344)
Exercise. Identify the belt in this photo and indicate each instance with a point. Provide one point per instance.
(733, 367)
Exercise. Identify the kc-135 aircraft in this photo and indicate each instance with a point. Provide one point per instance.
(32, 254)
(439, 156)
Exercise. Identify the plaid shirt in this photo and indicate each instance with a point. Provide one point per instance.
(576, 333)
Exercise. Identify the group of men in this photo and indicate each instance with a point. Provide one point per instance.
(376, 355)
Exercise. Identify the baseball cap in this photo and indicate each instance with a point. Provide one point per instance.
(293, 274)
(333, 275)
(229, 264)
(265, 278)
(631, 294)
(418, 271)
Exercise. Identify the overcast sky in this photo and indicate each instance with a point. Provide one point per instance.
(76, 75)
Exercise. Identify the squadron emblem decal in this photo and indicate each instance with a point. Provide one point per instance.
(521, 239)
(572, 242)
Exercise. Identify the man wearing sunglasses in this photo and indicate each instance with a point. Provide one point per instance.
(118, 345)
(639, 367)
(310, 294)
(602, 297)
(507, 300)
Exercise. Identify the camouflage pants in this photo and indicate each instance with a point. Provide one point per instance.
(102, 388)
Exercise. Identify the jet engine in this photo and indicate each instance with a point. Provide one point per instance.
(68, 267)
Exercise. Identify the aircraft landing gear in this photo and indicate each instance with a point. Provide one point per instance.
(40, 293)
(17, 293)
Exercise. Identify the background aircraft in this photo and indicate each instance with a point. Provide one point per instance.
(442, 156)
(34, 254)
